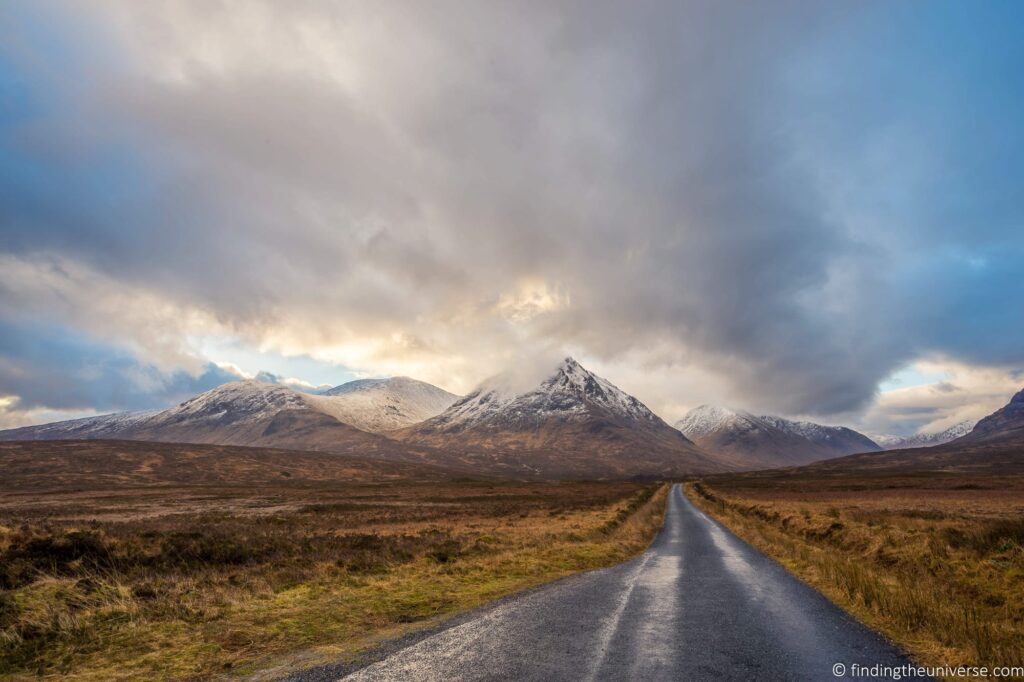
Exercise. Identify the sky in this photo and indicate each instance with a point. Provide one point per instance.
(805, 209)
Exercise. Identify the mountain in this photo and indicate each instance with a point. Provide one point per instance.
(571, 424)
(245, 412)
(251, 412)
(1005, 424)
(87, 427)
(380, 405)
(837, 440)
(925, 440)
(766, 441)
(994, 446)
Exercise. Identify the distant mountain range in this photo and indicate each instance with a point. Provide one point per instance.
(255, 413)
(572, 424)
(994, 446)
(767, 441)
(927, 439)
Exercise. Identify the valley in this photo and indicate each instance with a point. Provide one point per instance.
(251, 531)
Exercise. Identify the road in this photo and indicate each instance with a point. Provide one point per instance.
(700, 604)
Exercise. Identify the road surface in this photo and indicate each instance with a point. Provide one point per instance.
(700, 604)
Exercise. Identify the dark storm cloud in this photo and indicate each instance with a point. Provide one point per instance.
(798, 197)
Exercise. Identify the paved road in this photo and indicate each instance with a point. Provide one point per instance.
(700, 604)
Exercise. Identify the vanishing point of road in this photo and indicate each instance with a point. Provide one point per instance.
(700, 604)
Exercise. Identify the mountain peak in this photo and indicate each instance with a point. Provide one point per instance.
(379, 405)
(379, 384)
(568, 421)
(570, 392)
(705, 419)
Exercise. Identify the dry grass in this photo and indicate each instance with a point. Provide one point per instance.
(934, 563)
(192, 582)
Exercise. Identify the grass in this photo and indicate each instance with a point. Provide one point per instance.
(195, 582)
(936, 563)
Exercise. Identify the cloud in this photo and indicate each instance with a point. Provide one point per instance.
(47, 368)
(774, 207)
(966, 393)
(290, 382)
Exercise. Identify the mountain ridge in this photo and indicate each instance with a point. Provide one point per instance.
(767, 441)
(570, 422)
(927, 439)
(994, 446)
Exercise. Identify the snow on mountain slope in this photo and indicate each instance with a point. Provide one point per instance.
(925, 440)
(762, 442)
(380, 405)
(249, 412)
(839, 440)
(709, 419)
(572, 423)
(243, 401)
(568, 393)
(232, 413)
(239, 411)
(86, 427)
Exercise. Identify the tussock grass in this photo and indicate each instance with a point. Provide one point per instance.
(941, 574)
(121, 590)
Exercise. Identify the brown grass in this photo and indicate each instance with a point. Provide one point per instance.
(188, 582)
(934, 563)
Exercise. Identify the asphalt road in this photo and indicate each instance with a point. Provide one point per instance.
(700, 604)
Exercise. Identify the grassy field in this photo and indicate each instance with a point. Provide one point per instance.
(198, 581)
(935, 562)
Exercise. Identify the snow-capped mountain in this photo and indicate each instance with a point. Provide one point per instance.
(566, 394)
(380, 405)
(572, 423)
(257, 413)
(767, 441)
(247, 412)
(925, 440)
(707, 420)
(838, 440)
(85, 428)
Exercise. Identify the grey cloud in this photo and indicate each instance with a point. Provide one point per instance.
(651, 159)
